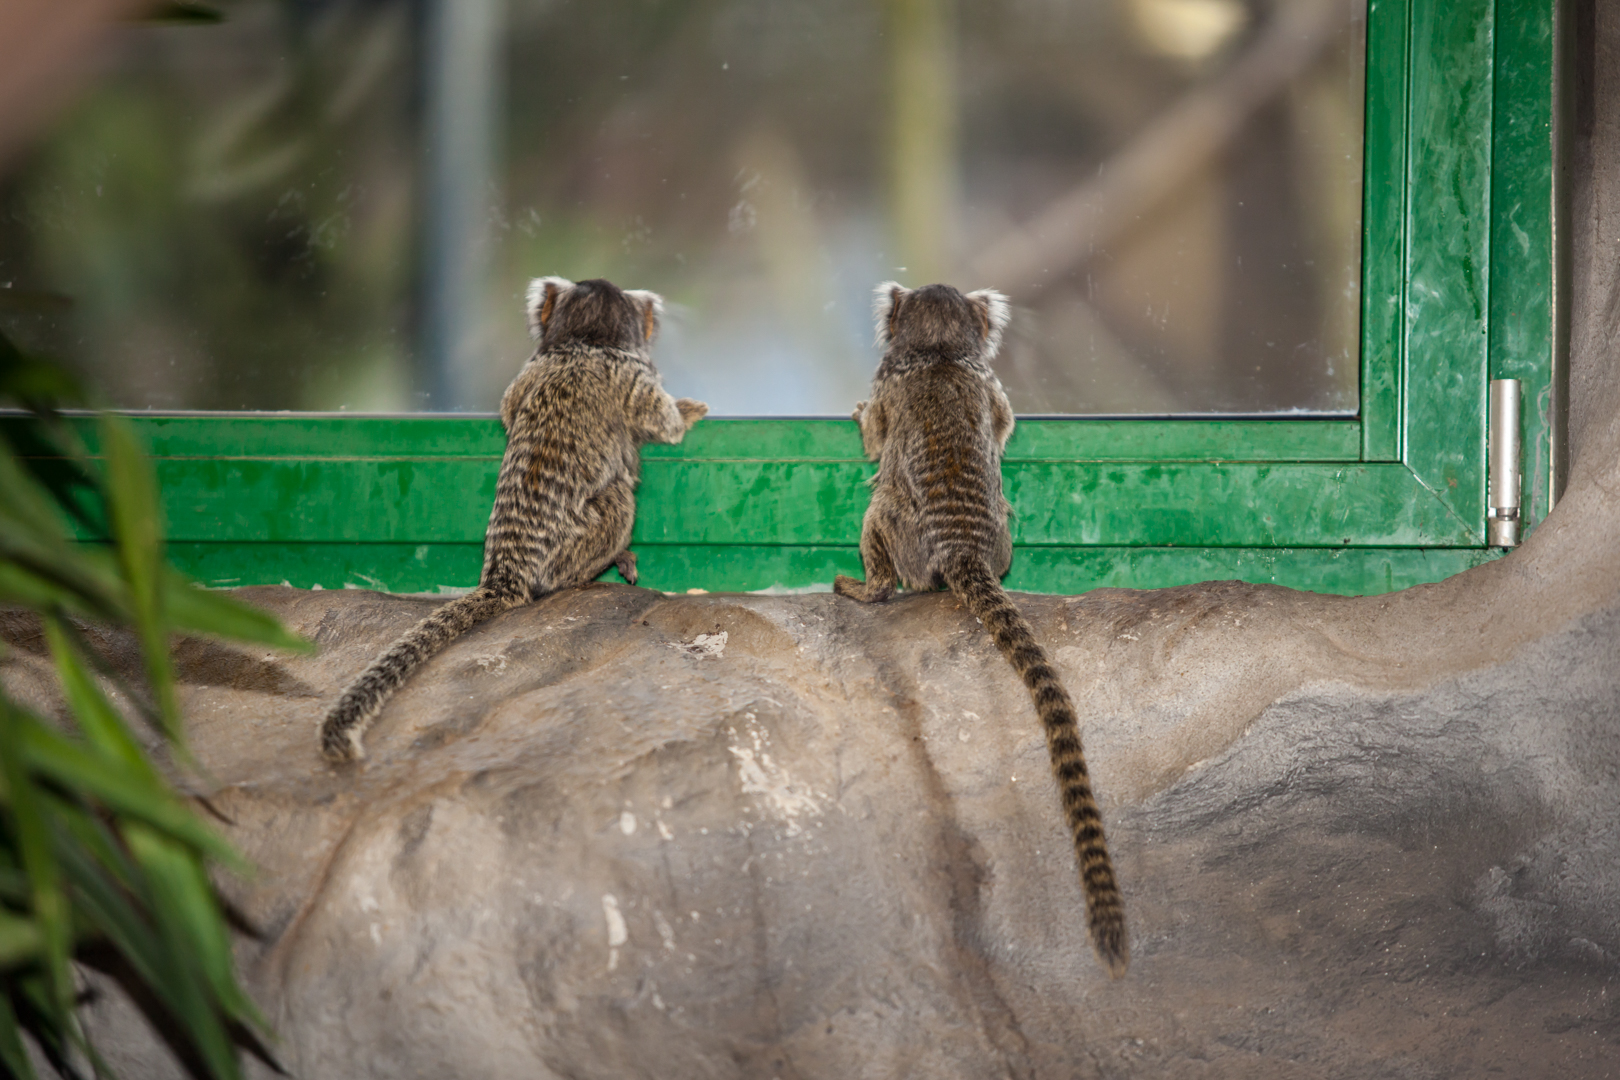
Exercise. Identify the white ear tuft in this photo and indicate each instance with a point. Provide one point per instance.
(996, 313)
(652, 309)
(885, 298)
(543, 293)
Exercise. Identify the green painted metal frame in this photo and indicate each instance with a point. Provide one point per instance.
(1459, 268)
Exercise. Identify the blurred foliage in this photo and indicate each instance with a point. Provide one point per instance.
(184, 13)
(229, 210)
(238, 205)
(100, 858)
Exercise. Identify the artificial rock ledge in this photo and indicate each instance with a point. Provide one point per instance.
(1358, 837)
(594, 841)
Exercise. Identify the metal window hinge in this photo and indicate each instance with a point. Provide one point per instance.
(1502, 513)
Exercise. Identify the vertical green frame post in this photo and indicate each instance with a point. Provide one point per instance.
(1383, 229)
(1448, 262)
(1525, 333)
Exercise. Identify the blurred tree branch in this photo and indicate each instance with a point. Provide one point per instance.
(1186, 136)
(922, 136)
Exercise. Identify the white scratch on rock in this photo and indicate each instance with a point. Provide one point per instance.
(627, 822)
(760, 775)
(492, 665)
(665, 931)
(663, 830)
(704, 646)
(617, 932)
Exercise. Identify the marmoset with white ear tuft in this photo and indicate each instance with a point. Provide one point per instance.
(575, 419)
(937, 423)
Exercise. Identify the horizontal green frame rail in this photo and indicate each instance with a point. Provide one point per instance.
(441, 568)
(780, 498)
(401, 503)
(1185, 504)
(284, 436)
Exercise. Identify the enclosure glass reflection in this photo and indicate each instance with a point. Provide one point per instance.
(336, 205)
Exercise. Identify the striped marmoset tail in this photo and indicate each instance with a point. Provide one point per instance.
(575, 418)
(936, 424)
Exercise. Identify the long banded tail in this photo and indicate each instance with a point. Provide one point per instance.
(344, 726)
(971, 580)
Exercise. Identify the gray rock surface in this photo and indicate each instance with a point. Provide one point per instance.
(592, 842)
(1359, 837)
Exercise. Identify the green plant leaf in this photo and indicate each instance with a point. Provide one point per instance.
(117, 913)
(137, 529)
(178, 873)
(20, 940)
(73, 765)
(77, 579)
(32, 834)
(54, 1032)
(12, 1055)
(196, 610)
(112, 673)
(24, 506)
(94, 842)
(84, 834)
(174, 909)
(103, 727)
(21, 587)
(32, 380)
(13, 885)
(48, 448)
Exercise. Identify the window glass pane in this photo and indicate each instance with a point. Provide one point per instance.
(336, 205)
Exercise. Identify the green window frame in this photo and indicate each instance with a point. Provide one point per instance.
(1462, 283)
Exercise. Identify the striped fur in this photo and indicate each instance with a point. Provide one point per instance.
(575, 419)
(1105, 908)
(936, 423)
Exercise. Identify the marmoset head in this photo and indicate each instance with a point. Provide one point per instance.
(593, 312)
(939, 319)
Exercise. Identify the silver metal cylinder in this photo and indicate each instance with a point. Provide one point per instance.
(1502, 513)
(462, 46)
